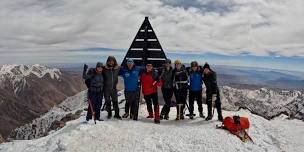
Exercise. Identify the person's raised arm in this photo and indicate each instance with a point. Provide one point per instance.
(84, 72)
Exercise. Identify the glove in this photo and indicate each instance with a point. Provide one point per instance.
(213, 100)
(85, 67)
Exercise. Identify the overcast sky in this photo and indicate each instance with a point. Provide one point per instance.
(64, 31)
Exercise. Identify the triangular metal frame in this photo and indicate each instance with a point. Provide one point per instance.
(146, 47)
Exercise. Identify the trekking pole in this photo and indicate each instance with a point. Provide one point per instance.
(92, 110)
(212, 108)
(103, 107)
(187, 106)
(213, 112)
(246, 134)
(179, 111)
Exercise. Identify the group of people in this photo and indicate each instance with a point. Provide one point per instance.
(178, 81)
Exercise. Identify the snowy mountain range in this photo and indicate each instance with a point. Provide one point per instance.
(267, 103)
(170, 135)
(27, 91)
(17, 74)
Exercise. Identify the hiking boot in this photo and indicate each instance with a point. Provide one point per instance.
(166, 117)
(191, 117)
(109, 116)
(117, 117)
(182, 117)
(208, 118)
(177, 119)
(99, 119)
(220, 119)
(150, 115)
(156, 121)
(161, 117)
(126, 115)
(131, 116)
(202, 115)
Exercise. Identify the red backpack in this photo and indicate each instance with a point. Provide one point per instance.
(237, 125)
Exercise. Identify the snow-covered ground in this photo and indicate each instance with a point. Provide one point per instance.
(279, 134)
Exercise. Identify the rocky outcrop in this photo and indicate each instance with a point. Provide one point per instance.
(57, 124)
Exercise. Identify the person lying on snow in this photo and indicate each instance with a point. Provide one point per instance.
(95, 82)
(131, 74)
(149, 79)
(212, 92)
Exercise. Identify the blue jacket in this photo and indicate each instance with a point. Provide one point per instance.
(196, 80)
(130, 77)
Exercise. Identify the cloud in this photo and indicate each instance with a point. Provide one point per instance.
(230, 27)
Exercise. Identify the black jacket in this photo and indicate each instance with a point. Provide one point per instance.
(94, 81)
(211, 83)
(167, 77)
(180, 79)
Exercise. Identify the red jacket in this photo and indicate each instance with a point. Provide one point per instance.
(148, 82)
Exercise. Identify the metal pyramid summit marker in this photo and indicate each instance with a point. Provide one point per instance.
(146, 47)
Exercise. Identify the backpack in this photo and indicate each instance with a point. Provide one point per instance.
(238, 126)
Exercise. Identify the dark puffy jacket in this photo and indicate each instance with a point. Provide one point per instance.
(180, 79)
(167, 77)
(211, 83)
(110, 77)
(94, 81)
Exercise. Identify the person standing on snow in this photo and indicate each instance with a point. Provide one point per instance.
(180, 80)
(212, 92)
(149, 80)
(166, 77)
(195, 89)
(131, 74)
(95, 82)
(110, 73)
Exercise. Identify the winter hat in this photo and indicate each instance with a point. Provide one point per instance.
(194, 64)
(206, 66)
(99, 64)
(130, 61)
